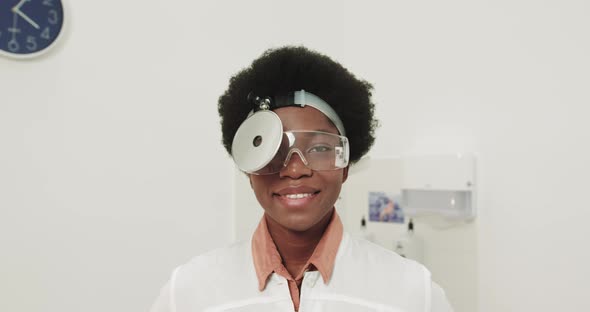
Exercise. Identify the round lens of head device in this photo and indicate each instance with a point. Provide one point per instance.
(257, 141)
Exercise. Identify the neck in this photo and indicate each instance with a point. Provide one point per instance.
(296, 247)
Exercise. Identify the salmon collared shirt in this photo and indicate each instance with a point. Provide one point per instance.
(267, 259)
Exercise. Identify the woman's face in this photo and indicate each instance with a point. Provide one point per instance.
(297, 197)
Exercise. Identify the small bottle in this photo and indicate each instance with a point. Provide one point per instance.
(409, 245)
(364, 233)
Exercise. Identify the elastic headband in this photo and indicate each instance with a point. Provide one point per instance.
(297, 98)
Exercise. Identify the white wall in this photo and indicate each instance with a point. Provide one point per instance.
(111, 169)
(506, 79)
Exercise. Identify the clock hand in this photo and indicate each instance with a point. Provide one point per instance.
(16, 9)
(18, 5)
(26, 18)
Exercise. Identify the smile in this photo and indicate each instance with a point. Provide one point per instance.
(297, 200)
(298, 196)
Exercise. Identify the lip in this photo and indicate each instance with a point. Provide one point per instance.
(295, 203)
(302, 189)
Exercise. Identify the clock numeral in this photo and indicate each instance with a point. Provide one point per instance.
(48, 2)
(13, 45)
(31, 43)
(53, 18)
(45, 33)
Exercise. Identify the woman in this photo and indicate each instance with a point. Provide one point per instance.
(293, 122)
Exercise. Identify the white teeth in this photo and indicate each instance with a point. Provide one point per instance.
(297, 196)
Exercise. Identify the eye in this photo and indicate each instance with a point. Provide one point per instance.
(320, 148)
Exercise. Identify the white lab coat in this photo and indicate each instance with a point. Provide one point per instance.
(366, 277)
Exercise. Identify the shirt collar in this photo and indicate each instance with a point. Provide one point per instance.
(267, 258)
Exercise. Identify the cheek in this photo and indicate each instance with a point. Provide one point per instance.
(255, 184)
(334, 181)
(260, 185)
(337, 177)
(258, 193)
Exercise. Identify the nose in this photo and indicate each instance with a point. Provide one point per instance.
(295, 166)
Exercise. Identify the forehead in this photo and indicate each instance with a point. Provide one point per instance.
(305, 118)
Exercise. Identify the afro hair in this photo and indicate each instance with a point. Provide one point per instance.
(287, 69)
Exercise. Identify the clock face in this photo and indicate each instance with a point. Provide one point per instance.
(29, 27)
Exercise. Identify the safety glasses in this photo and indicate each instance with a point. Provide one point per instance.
(318, 151)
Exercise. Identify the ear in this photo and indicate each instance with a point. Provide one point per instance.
(345, 174)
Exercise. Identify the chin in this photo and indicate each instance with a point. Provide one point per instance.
(297, 224)
(301, 227)
(301, 222)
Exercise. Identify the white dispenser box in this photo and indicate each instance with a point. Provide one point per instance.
(443, 185)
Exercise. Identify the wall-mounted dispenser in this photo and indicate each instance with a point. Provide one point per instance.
(439, 184)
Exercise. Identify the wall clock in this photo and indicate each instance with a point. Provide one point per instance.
(29, 28)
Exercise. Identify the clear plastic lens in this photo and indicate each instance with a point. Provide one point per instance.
(318, 151)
